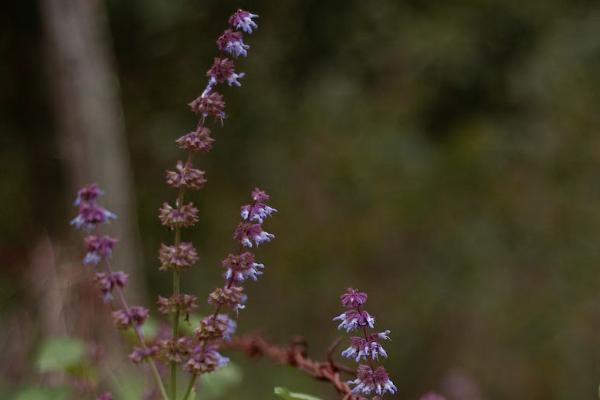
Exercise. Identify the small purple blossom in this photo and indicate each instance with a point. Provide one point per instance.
(368, 381)
(179, 257)
(184, 216)
(233, 43)
(176, 350)
(106, 282)
(243, 20)
(241, 267)
(198, 141)
(105, 396)
(90, 215)
(256, 212)
(232, 296)
(88, 194)
(221, 71)
(98, 247)
(205, 359)
(361, 348)
(247, 233)
(185, 303)
(259, 196)
(185, 175)
(354, 319)
(214, 328)
(353, 298)
(209, 104)
(135, 316)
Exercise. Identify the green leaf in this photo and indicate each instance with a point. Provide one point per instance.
(287, 395)
(60, 354)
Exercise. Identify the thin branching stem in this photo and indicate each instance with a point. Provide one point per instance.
(140, 336)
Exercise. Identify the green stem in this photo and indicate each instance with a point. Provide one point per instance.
(176, 291)
(190, 386)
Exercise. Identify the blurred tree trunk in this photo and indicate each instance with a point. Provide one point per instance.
(85, 95)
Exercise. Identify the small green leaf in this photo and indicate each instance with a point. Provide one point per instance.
(285, 394)
(60, 354)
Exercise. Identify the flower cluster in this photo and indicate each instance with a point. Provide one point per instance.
(184, 303)
(98, 247)
(134, 316)
(107, 281)
(367, 346)
(199, 353)
(210, 103)
(90, 214)
(215, 327)
(178, 257)
(241, 266)
(205, 359)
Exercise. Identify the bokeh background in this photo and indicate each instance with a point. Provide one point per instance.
(443, 156)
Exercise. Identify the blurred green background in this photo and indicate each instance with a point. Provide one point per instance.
(443, 156)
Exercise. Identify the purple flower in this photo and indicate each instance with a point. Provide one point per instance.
(243, 20)
(353, 298)
(354, 319)
(205, 359)
(91, 215)
(185, 175)
(88, 194)
(247, 233)
(176, 350)
(106, 282)
(184, 216)
(135, 316)
(233, 43)
(178, 257)
(105, 396)
(366, 348)
(209, 104)
(222, 70)
(214, 328)
(368, 381)
(256, 212)
(185, 303)
(232, 296)
(98, 247)
(241, 267)
(198, 141)
(259, 196)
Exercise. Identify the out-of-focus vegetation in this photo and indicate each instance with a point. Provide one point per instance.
(443, 156)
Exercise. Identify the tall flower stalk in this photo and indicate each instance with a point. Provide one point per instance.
(181, 255)
(197, 354)
(99, 251)
(366, 346)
